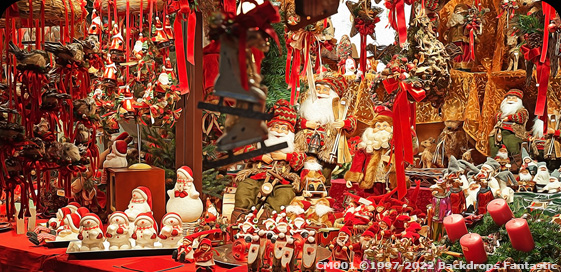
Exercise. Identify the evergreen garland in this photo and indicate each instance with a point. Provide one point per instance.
(273, 69)
(214, 183)
(529, 24)
(547, 238)
(161, 149)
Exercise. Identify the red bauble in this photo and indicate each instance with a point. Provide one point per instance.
(552, 28)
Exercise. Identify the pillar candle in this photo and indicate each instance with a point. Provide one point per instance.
(520, 235)
(455, 225)
(472, 246)
(499, 211)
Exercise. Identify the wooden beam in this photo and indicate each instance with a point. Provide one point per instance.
(188, 130)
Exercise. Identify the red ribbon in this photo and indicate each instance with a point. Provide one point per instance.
(543, 71)
(397, 18)
(230, 6)
(364, 29)
(472, 27)
(259, 17)
(549, 13)
(184, 11)
(402, 119)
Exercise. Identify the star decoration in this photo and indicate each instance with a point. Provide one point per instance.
(365, 12)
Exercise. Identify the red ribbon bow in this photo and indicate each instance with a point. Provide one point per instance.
(181, 194)
(403, 120)
(397, 18)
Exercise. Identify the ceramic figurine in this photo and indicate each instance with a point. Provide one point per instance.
(184, 252)
(91, 233)
(118, 231)
(309, 253)
(253, 255)
(141, 202)
(145, 231)
(184, 198)
(70, 229)
(55, 223)
(171, 232)
(340, 246)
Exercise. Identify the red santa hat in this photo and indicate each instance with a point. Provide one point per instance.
(284, 114)
(64, 211)
(387, 220)
(74, 221)
(119, 214)
(145, 193)
(186, 170)
(122, 136)
(515, 92)
(82, 211)
(368, 233)
(92, 216)
(337, 84)
(120, 148)
(147, 216)
(306, 205)
(345, 230)
(171, 215)
(74, 205)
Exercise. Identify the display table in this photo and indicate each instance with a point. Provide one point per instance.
(18, 254)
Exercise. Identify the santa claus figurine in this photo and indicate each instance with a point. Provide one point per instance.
(525, 180)
(91, 233)
(510, 127)
(171, 232)
(341, 247)
(141, 202)
(364, 243)
(312, 180)
(70, 229)
(309, 253)
(184, 199)
(318, 125)
(321, 214)
(204, 256)
(350, 66)
(371, 167)
(296, 208)
(285, 162)
(118, 231)
(117, 158)
(145, 231)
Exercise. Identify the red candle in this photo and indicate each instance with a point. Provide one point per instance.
(472, 246)
(455, 225)
(499, 211)
(520, 235)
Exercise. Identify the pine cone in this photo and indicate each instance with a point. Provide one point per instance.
(534, 40)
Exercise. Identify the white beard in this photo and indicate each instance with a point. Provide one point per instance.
(502, 155)
(456, 19)
(525, 177)
(371, 140)
(508, 108)
(542, 177)
(471, 196)
(294, 209)
(537, 128)
(322, 210)
(278, 138)
(319, 110)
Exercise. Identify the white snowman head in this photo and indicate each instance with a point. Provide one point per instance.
(145, 221)
(90, 221)
(171, 219)
(350, 67)
(118, 218)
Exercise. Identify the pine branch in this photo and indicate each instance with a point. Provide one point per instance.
(529, 24)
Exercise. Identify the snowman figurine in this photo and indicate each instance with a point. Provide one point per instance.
(91, 233)
(171, 232)
(118, 231)
(145, 231)
(70, 229)
(184, 198)
(350, 66)
(141, 202)
(56, 222)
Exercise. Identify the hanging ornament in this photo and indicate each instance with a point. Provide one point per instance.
(364, 17)
(160, 37)
(117, 46)
(508, 7)
(95, 28)
(110, 72)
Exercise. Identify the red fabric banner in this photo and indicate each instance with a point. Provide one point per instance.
(543, 72)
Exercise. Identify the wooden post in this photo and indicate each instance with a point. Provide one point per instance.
(188, 130)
